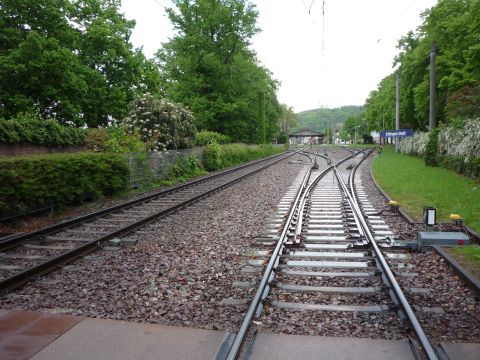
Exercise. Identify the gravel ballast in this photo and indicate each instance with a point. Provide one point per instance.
(185, 265)
(179, 271)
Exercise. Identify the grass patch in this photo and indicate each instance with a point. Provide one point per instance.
(469, 257)
(408, 180)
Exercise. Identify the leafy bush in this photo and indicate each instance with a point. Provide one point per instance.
(469, 168)
(96, 139)
(28, 183)
(472, 168)
(217, 156)
(205, 137)
(212, 157)
(283, 138)
(432, 149)
(367, 139)
(185, 167)
(114, 139)
(161, 124)
(31, 128)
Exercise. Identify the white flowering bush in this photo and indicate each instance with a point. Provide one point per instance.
(162, 124)
(457, 147)
(461, 141)
(415, 145)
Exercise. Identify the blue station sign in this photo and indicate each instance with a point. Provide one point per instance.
(396, 133)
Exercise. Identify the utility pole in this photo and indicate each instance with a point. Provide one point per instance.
(397, 108)
(432, 121)
(333, 126)
(383, 127)
(355, 130)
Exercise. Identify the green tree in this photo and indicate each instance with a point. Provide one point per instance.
(454, 25)
(209, 66)
(70, 59)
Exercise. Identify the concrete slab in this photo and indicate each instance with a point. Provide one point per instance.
(462, 351)
(109, 339)
(278, 347)
(24, 333)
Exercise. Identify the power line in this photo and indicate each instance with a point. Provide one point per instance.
(306, 9)
(163, 6)
(399, 17)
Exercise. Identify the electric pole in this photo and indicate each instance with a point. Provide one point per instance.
(432, 121)
(333, 126)
(383, 127)
(397, 108)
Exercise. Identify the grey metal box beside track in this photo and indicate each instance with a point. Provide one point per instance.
(428, 238)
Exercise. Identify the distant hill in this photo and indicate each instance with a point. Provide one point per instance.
(318, 119)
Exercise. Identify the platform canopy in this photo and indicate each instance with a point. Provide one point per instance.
(307, 135)
(306, 132)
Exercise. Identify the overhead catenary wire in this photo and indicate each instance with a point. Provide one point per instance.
(160, 4)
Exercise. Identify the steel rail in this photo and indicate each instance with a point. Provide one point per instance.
(392, 282)
(22, 277)
(13, 240)
(273, 262)
(240, 337)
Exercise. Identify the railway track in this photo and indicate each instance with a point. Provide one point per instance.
(328, 250)
(28, 255)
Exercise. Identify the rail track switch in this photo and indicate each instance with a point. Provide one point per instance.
(429, 238)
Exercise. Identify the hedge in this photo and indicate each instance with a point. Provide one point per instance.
(216, 157)
(205, 137)
(431, 153)
(29, 129)
(29, 183)
(469, 168)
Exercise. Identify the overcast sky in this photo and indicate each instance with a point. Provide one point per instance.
(320, 61)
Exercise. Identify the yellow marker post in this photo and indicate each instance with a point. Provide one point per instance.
(456, 219)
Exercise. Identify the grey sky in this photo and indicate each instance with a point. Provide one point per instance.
(359, 42)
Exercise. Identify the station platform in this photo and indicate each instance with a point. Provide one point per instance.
(44, 336)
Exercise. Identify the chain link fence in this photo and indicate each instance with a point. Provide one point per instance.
(147, 168)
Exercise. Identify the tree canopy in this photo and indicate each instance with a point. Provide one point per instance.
(454, 25)
(70, 59)
(320, 119)
(209, 67)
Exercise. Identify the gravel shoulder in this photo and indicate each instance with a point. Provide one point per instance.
(181, 268)
(459, 319)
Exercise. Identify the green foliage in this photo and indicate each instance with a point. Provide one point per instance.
(216, 157)
(209, 66)
(469, 167)
(29, 128)
(283, 138)
(114, 139)
(212, 157)
(182, 169)
(432, 148)
(162, 124)
(455, 27)
(28, 183)
(71, 59)
(206, 137)
(320, 119)
(367, 139)
(288, 119)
